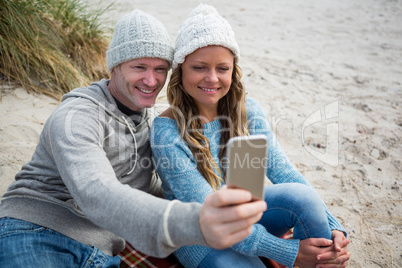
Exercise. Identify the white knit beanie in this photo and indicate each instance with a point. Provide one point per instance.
(138, 35)
(203, 27)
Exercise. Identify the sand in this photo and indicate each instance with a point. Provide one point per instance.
(329, 77)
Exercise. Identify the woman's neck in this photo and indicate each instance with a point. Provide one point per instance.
(208, 114)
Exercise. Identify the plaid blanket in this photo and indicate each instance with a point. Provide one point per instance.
(130, 257)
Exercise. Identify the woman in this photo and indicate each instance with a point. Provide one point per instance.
(208, 106)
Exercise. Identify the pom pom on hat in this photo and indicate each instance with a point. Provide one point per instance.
(203, 27)
(138, 35)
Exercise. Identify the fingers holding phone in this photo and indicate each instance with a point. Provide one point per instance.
(227, 216)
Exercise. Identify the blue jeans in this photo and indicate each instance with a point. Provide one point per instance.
(290, 205)
(23, 244)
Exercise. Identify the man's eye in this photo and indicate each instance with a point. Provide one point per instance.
(139, 67)
(161, 70)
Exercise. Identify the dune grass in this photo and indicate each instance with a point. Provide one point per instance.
(52, 46)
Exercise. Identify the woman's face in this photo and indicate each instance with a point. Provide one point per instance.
(207, 76)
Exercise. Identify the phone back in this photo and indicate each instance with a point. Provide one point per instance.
(246, 163)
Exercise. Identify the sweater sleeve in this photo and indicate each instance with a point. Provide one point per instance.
(182, 180)
(76, 142)
(280, 169)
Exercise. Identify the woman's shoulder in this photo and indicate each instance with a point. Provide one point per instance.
(164, 129)
(165, 119)
(167, 113)
(164, 123)
(256, 117)
(253, 107)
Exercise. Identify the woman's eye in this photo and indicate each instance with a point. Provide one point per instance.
(198, 67)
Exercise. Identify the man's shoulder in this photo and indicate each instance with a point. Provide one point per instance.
(75, 114)
(75, 105)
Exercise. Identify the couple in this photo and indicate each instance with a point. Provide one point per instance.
(89, 186)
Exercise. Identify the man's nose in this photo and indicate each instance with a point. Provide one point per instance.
(150, 79)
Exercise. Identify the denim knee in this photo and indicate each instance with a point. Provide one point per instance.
(296, 196)
(295, 205)
(10, 225)
(24, 244)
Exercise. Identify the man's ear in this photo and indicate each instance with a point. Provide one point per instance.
(114, 68)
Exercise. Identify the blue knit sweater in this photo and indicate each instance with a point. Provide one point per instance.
(181, 180)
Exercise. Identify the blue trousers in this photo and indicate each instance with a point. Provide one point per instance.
(290, 205)
(23, 244)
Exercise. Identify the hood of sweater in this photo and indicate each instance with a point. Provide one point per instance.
(99, 94)
(90, 156)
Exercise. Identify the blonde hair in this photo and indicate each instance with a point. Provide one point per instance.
(232, 116)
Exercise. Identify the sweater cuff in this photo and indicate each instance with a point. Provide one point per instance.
(334, 224)
(181, 225)
(281, 250)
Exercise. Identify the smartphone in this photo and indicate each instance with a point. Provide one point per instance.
(246, 160)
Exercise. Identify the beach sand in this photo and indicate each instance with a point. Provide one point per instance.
(328, 74)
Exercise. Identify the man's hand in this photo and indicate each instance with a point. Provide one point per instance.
(227, 216)
(324, 253)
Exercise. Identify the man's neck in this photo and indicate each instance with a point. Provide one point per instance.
(112, 87)
(124, 109)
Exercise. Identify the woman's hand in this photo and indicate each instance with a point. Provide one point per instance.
(324, 253)
(339, 255)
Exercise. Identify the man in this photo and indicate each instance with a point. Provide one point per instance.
(90, 184)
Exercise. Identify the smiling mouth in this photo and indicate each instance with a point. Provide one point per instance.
(145, 90)
(209, 89)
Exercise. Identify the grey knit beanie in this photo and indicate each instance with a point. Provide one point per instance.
(138, 35)
(203, 27)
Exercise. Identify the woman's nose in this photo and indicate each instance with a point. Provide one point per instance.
(212, 77)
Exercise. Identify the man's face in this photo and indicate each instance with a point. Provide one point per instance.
(137, 83)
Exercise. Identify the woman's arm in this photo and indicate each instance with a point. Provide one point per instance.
(181, 179)
(279, 167)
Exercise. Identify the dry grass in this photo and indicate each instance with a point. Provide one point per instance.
(51, 46)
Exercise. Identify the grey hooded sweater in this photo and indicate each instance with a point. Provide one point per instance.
(90, 179)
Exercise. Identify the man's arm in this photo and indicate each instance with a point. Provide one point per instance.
(153, 225)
